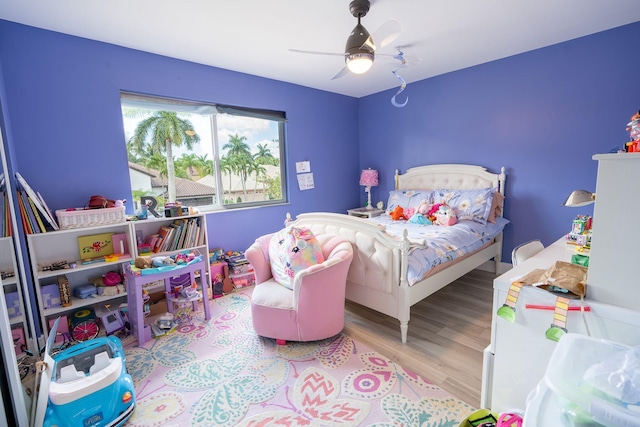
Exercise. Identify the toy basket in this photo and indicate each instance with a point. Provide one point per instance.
(80, 217)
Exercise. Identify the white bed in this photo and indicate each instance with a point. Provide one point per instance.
(378, 274)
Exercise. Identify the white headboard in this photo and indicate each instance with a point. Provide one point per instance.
(449, 176)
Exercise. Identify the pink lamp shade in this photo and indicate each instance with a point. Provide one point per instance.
(369, 178)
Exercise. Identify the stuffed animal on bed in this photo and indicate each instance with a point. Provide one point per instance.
(397, 214)
(420, 215)
(445, 215)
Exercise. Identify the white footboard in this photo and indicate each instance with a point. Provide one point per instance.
(377, 276)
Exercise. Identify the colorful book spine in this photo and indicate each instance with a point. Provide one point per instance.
(41, 225)
(23, 215)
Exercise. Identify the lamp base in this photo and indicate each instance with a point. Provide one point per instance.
(368, 208)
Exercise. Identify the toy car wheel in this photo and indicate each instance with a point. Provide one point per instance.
(85, 330)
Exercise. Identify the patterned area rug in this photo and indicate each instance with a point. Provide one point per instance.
(220, 373)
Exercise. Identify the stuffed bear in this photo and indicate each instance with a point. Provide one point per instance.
(143, 262)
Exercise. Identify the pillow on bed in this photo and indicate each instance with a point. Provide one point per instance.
(408, 199)
(293, 249)
(473, 205)
(496, 207)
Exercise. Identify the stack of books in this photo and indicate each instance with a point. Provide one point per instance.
(240, 271)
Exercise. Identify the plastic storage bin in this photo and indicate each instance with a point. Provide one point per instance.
(578, 395)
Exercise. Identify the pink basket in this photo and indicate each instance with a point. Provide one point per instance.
(80, 217)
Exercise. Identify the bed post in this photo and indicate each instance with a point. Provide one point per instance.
(397, 176)
(404, 304)
(501, 179)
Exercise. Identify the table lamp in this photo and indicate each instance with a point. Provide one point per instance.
(368, 179)
(579, 198)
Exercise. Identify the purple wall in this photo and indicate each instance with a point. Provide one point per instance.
(63, 104)
(541, 115)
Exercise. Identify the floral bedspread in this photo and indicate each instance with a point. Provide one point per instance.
(433, 245)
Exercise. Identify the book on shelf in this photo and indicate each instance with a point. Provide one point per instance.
(151, 240)
(6, 216)
(183, 235)
(38, 201)
(30, 214)
(36, 214)
(177, 227)
(163, 233)
(23, 215)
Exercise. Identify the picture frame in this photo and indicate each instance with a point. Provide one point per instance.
(95, 245)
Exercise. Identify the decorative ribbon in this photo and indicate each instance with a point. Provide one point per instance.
(403, 85)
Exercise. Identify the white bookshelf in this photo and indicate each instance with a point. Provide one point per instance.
(62, 245)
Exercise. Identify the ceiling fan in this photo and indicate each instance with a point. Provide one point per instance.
(361, 46)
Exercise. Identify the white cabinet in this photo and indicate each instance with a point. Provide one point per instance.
(516, 359)
(62, 245)
(614, 263)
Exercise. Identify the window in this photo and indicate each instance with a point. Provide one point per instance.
(206, 155)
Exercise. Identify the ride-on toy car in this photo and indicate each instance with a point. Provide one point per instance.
(85, 385)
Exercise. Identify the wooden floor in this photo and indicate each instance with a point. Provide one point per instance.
(448, 332)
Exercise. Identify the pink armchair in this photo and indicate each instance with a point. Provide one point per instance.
(314, 309)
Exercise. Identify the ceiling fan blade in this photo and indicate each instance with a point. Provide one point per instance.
(384, 34)
(312, 52)
(341, 73)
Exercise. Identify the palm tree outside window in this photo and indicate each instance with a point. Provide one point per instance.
(206, 155)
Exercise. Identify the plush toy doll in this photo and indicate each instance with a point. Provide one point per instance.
(445, 215)
(143, 262)
(420, 215)
(181, 258)
(431, 215)
(634, 133)
(161, 261)
(397, 214)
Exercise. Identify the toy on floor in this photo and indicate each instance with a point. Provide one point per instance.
(85, 385)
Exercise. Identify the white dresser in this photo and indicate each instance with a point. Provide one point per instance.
(517, 357)
(614, 267)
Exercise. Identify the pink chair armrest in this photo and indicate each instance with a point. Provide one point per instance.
(258, 257)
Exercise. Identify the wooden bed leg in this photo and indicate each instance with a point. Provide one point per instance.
(404, 327)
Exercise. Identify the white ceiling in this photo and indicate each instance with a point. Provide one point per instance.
(254, 36)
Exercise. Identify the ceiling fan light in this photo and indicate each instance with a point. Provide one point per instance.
(359, 63)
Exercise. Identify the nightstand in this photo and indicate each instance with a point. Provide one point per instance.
(365, 213)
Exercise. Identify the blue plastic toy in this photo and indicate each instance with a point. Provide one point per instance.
(86, 385)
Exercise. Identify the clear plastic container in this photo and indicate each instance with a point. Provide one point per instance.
(577, 393)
